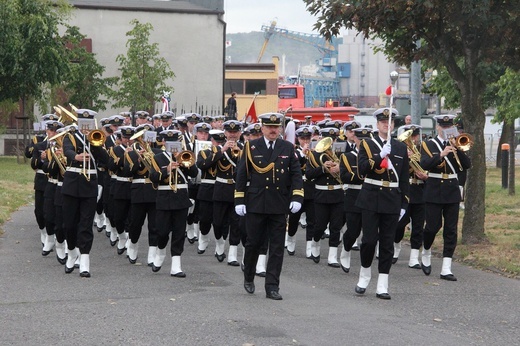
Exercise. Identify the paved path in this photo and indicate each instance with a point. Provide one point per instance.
(124, 304)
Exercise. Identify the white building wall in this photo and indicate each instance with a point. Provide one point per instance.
(191, 43)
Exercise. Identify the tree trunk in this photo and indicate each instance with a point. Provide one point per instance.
(512, 147)
(504, 138)
(474, 117)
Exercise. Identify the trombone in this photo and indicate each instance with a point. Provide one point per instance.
(462, 142)
(324, 146)
(94, 138)
(185, 158)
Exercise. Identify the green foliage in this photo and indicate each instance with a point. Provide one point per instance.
(32, 52)
(508, 101)
(143, 71)
(84, 84)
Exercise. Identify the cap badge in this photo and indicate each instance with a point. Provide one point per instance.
(273, 118)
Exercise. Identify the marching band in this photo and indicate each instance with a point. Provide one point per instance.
(208, 180)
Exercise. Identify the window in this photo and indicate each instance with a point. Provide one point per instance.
(287, 93)
(245, 86)
(255, 86)
(236, 85)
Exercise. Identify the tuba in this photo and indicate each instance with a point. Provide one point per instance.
(324, 146)
(147, 157)
(415, 158)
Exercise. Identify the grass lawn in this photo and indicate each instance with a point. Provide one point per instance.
(501, 254)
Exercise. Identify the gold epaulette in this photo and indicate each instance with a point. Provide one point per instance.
(203, 154)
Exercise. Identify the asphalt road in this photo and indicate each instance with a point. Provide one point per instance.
(124, 304)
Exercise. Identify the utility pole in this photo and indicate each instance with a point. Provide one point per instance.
(416, 91)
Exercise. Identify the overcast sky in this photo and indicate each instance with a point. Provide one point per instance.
(247, 16)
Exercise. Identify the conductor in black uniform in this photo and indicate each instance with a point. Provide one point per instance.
(383, 199)
(275, 176)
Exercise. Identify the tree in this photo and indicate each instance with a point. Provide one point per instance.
(143, 71)
(32, 53)
(464, 36)
(84, 84)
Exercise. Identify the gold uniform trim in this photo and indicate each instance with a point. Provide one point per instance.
(239, 194)
(298, 192)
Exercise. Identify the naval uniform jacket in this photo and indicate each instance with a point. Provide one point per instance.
(74, 183)
(142, 189)
(327, 189)
(308, 185)
(225, 176)
(275, 180)
(442, 185)
(376, 195)
(121, 187)
(167, 198)
(353, 181)
(40, 178)
(208, 166)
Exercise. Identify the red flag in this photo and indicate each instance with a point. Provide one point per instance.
(388, 90)
(251, 113)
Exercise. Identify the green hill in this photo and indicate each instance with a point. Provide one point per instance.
(245, 48)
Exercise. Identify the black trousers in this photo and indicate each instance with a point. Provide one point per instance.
(259, 228)
(415, 213)
(174, 222)
(332, 215)
(38, 208)
(378, 227)
(121, 213)
(205, 216)
(138, 212)
(78, 216)
(294, 219)
(354, 225)
(225, 221)
(50, 212)
(60, 233)
(434, 213)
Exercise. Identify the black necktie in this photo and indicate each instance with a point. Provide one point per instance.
(270, 148)
(384, 142)
(445, 143)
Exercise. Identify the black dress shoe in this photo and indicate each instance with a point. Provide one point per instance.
(333, 265)
(345, 269)
(68, 270)
(233, 263)
(179, 275)
(62, 260)
(261, 274)
(84, 274)
(249, 286)
(355, 248)
(121, 251)
(220, 258)
(427, 270)
(200, 252)
(394, 260)
(46, 253)
(415, 266)
(291, 253)
(449, 277)
(100, 229)
(316, 259)
(112, 243)
(385, 296)
(76, 265)
(107, 233)
(155, 269)
(132, 261)
(150, 264)
(191, 240)
(274, 295)
(360, 290)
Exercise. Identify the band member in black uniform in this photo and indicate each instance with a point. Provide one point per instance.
(99, 217)
(383, 199)
(303, 134)
(323, 170)
(350, 176)
(170, 174)
(34, 151)
(208, 166)
(276, 187)
(50, 188)
(308, 120)
(143, 194)
(122, 186)
(166, 122)
(415, 211)
(443, 161)
(191, 134)
(225, 220)
(79, 194)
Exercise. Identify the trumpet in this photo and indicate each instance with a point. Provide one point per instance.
(462, 142)
(324, 146)
(415, 158)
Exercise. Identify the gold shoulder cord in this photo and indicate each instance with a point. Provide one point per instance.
(73, 141)
(345, 162)
(371, 160)
(427, 150)
(127, 158)
(312, 160)
(156, 167)
(261, 170)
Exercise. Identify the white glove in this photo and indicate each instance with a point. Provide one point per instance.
(389, 164)
(401, 214)
(295, 207)
(387, 148)
(240, 209)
